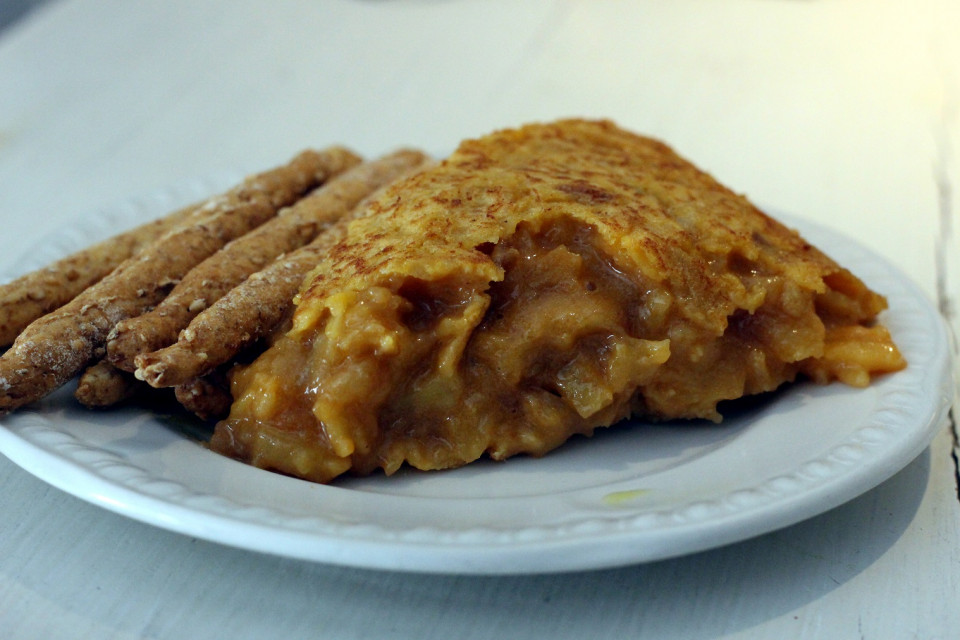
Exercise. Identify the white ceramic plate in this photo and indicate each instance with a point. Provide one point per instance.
(628, 495)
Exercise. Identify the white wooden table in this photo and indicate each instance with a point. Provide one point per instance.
(843, 112)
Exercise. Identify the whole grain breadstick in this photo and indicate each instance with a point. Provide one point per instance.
(103, 385)
(57, 346)
(208, 397)
(33, 294)
(249, 312)
(241, 317)
(293, 227)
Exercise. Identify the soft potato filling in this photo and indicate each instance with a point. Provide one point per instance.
(437, 374)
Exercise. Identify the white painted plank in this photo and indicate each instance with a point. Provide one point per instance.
(851, 571)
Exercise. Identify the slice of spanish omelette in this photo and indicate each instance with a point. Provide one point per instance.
(539, 283)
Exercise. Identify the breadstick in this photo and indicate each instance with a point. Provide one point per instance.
(238, 319)
(249, 312)
(208, 397)
(102, 385)
(39, 292)
(57, 346)
(210, 280)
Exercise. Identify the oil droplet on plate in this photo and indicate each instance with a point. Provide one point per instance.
(620, 497)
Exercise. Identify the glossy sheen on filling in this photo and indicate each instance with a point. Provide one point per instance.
(437, 374)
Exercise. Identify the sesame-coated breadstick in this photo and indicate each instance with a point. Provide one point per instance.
(58, 346)
(241, 317)
(210, 280)
(208, 397)
(249, 312)
(103, 385)
(39, 292)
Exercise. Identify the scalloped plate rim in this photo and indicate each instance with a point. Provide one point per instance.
(596, 540)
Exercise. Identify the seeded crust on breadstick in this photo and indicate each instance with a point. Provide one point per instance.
(241, 317)
(103, 385)
(293, 227)
(57, 346)
(249, 312)
(39, 292)
(208, 397)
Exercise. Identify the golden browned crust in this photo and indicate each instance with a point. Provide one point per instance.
(57, 346)
(541, 282)
(289, 230)
(657, 212)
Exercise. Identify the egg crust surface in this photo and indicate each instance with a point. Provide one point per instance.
(543, 282)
